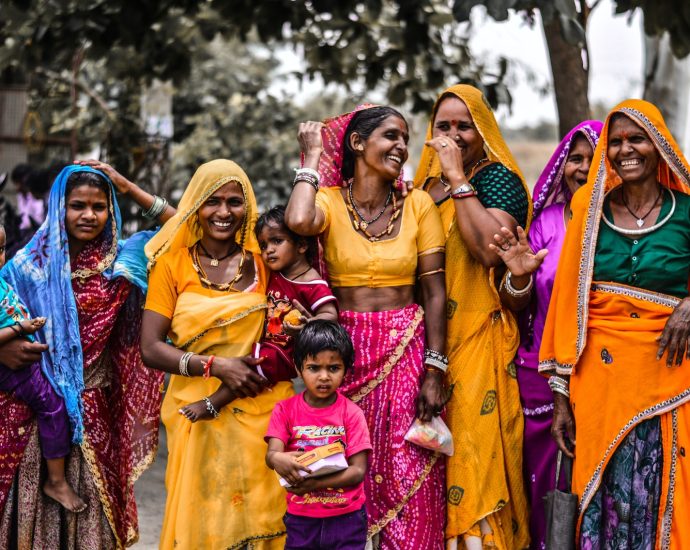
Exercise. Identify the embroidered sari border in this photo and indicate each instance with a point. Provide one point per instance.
(392, 359)
(638, 293)
(222, 323)
(668, 512)
(391, 514)
(655, 410)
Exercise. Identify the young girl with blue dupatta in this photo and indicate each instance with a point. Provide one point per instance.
(89, 283)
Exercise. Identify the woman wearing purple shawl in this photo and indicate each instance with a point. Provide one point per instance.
(565, 172)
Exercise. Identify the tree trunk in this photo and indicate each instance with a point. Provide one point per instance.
(666, 84)
(570, 78)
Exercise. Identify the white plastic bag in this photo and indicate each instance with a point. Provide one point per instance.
(433, 435)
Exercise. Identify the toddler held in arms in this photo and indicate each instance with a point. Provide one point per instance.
(326, 511)
(30, 386)
(296, 295)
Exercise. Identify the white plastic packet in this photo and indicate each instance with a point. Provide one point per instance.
(433, 435)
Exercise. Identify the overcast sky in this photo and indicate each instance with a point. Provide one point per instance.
(616, 56)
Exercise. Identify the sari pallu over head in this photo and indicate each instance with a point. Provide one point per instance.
(484, 120)
(604, 335)
(562, 345)
(551, 187)
(41, 275)
(217, 483)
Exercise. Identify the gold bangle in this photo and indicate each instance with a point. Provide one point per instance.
(432, 251)
(434, 272)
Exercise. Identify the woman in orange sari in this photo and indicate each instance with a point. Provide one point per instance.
(620, 302)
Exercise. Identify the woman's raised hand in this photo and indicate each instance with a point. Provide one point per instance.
(450, 157)
(516, 253)
(236, 373)
(675, 338)
(121, 183)
(309, 136)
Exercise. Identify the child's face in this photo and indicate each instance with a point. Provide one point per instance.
(278, 249)
(3, 243)
(322, 375)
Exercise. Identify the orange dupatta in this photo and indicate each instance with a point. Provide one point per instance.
(604, 336)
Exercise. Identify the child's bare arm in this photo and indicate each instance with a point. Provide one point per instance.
(351, 476)
(327, 312)
(20, 329)
(284, 463)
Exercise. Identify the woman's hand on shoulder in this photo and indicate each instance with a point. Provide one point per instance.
(433, 395)
(516, 253)
(236, 373)
(675, 338)
(121, 183)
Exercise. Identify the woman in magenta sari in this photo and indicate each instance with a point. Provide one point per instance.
(379, 244)
(565, 172)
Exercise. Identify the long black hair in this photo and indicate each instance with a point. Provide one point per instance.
(363, 122)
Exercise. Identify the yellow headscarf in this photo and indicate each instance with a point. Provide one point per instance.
(483, 118)
(566, 323)
(181, 231)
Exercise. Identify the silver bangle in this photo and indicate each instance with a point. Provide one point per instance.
(514, 292)
(210, 408)
(156, 209)
(561, 391)
(310, 171)
(436, 363)
(559, 385)
(183, 365)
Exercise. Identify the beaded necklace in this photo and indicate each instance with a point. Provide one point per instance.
(196, 263)
(360, 225)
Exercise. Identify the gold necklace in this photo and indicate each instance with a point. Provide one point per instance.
(196, 263)
(359, 226)
(215, 261)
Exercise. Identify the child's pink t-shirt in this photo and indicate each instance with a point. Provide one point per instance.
(302, 427)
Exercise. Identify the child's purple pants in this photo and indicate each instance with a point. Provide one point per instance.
(31, 386)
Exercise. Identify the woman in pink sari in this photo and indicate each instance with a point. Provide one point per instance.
(378, 245)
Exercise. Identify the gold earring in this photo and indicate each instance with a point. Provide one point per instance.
(360, 147)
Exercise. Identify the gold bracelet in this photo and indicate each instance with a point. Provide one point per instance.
(434, 272)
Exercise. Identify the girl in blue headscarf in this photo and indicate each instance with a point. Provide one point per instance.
(89, 283)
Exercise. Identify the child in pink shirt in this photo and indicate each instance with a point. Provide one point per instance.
(327, 511)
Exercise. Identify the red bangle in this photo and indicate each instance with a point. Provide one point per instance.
(207, 366)
(464, 195)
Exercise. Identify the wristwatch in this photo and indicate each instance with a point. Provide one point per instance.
(463, 191)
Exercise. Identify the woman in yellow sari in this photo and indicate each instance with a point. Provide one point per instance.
(620, 302)
(470, 173)
(208, 297)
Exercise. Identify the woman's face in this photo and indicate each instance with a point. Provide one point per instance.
(86, 213)
(631, 152)
(221, 216)
(453, 120)
(385, 150)
(578, 162)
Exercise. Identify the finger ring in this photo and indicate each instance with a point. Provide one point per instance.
(444, 144)
(505, 246)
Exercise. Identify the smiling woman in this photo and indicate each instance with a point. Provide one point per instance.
(379, 244)
(620, 303)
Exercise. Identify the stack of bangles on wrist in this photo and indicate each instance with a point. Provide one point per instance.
(559, 385)
(184, 363)
(307, 175)
(435, 360)
(514, 292)
(210, 408)
(157, 208)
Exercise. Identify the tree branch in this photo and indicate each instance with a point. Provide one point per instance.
(82, 86)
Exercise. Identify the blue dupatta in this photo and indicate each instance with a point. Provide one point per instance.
(41, 275)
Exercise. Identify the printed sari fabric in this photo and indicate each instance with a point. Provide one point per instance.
(604, 336)
(404, 483)
(221, 494)
(551, 194)
(484, 476)
(115, 417)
